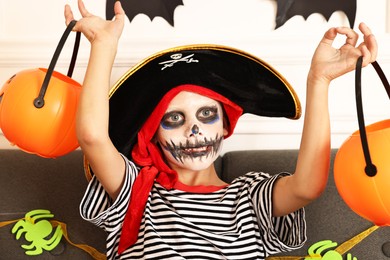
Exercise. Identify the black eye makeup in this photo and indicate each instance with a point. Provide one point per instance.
(176, 119)
(207, 114)
(172, 120)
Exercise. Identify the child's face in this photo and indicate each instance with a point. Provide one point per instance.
(191, 131)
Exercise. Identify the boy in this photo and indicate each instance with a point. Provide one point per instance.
(155, 190)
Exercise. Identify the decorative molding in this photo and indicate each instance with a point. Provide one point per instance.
(278, 49)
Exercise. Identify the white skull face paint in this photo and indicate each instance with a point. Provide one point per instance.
(191, 131)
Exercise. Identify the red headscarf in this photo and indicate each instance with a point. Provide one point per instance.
(148, 156)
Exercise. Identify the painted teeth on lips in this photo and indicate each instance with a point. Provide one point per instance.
(196, 150)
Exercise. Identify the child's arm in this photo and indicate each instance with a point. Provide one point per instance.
(92, 115)
(328, 63)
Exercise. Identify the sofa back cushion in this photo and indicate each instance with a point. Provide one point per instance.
(327, 218)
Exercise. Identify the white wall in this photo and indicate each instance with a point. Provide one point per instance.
(30, 30)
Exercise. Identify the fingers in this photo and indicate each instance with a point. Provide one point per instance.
(369, 46)
(83, 11)
(118, 8)
(68, 15)
(329, 36)
(351, 36)
(365, 29)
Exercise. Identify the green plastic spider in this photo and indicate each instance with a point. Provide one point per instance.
(36, 232)
(315, 251)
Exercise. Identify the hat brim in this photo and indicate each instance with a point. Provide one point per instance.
(244, 79)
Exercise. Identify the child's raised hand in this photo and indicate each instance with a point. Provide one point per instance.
(95, 28)
(329, 63)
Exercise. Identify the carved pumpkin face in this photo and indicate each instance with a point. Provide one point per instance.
(48, 131)
(367, 196)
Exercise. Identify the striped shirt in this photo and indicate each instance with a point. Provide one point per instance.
(233, 222)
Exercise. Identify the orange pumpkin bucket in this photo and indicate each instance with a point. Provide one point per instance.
(38, 107)
(362, 165)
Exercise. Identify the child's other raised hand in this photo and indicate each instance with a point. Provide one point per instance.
(95, 28)
(329, 63)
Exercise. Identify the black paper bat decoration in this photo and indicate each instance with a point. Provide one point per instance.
(152, 8)
(286, 9)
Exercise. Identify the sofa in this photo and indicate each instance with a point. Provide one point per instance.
(29, 182)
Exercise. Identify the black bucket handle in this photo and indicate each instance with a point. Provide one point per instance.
(39, 102)
(370, 168)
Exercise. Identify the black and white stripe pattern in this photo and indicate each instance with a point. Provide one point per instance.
(231, 223)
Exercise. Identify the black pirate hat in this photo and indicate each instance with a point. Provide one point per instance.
(242, 78)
